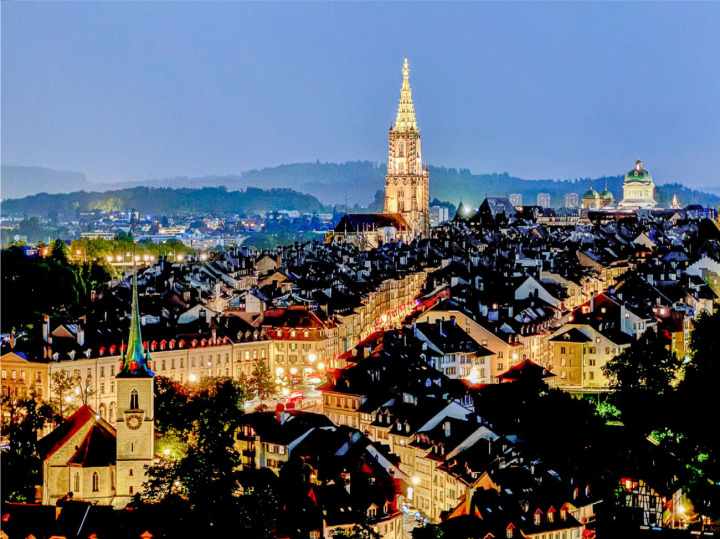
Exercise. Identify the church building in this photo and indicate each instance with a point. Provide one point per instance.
(407, 184)
(99, 462)
(638, 190)
(406, 213)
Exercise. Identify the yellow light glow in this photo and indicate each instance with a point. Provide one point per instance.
(312, 358)
(192, 378)
(166, 451)
(279, 371)
(415, 480)
(293, 371)
(285, 391)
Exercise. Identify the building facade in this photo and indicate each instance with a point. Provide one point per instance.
(407, 181)
(638, 190)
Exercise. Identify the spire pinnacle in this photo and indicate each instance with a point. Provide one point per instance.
(134, 362)
(405, 120)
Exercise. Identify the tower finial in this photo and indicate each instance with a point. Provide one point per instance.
(134, 362)
(405, 120)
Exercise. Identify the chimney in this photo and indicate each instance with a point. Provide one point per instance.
(80, 336)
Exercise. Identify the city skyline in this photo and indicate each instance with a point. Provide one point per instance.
(539, 91)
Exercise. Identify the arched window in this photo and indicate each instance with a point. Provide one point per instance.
(103, 411)
(111, 417)
(134, 400)
(77, 482)
(96, 482)
(131, 489)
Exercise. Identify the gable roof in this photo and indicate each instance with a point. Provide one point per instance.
(48, 445)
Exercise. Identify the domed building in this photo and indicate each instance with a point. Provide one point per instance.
(638, 190)
(591, 200)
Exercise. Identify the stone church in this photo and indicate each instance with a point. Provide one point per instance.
(406, 214)
(95, 460)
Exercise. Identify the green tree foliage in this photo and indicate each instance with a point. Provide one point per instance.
(643, 375)
(691, 416)
(205, 471)
(35, 286)
(22, 422)
(263, 382)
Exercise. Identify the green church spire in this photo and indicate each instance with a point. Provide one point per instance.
(135, 363)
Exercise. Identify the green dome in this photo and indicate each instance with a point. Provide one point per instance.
(592, 193)
(639, 175)
(607, 195)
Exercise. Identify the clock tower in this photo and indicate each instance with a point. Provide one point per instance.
(135, 424)
(407, 181)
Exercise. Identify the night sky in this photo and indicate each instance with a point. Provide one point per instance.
(138, 90)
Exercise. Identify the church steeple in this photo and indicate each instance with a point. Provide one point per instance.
(135, 363)
(405, 120)
(406, 182)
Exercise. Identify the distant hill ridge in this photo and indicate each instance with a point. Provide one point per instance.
(357, 182)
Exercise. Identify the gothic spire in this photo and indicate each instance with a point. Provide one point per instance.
(405, 120)
(135, 363)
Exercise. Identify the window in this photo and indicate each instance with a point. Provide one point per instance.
(500, 366)
(607, 350)
(77, 482)
(281, 449)
(4, 374)
(38, 377)
(22, 375)
(563, 362)
(562, 349)
(500, 355)
(102, 372)
(134, 400)
(112, 370)
(112, 387)
(182, 363)
(172, 363)
(247, 354)
(13, 375)
(130, 472)
(102, 388)
(130, 490)
(95, 482)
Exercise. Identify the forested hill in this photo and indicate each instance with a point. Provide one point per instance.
(159, 201)
(357, 182)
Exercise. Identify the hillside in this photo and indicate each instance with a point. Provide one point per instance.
(158, 201)
(357, 182)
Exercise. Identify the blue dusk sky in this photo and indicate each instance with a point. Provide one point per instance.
(138, 90)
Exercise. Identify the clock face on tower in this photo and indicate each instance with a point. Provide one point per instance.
(134, 421)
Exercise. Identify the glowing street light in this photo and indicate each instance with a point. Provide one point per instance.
(312, 358)
(415, 480)
(192, 378)
(166, 451)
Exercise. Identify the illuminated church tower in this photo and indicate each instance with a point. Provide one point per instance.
(135, 424)
(407, 180)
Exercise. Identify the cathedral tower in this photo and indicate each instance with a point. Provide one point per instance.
(135, 424)
(407, 180)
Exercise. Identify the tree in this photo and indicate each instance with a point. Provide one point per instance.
(643, 376)
(61, 400)
(262, 382)
(22, 421)
(206, 474)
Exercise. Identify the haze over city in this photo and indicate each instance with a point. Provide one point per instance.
(132, 91)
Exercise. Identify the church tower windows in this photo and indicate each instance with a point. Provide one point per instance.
(405, 167)
(134, 400)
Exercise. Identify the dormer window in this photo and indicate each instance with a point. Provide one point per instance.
(551, 515)
(509, 532)
(537, 517)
